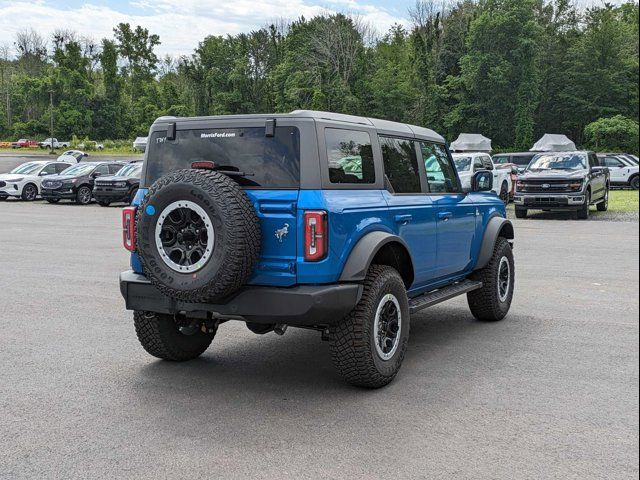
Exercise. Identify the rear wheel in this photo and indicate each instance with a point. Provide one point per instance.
(521, 212)
(83, 196)
(161, 336)
(29, 192)
(369, 344)
(493, 301)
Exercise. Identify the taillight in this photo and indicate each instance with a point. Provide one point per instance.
(129, 228)
(315, 235)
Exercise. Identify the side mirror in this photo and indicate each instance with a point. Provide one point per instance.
(43, 174)
(482, 181)
(597, 169)
(515, 170)
(96, 175)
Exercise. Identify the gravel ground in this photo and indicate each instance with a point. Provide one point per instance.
(551, 392)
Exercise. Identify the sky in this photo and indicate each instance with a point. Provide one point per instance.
(181, 24)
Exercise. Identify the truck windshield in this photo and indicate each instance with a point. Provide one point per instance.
(255, 159)
(463, 164)
(555, 161)
(132, 170)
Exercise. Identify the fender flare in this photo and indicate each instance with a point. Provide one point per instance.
(363, 253)
(497, 227)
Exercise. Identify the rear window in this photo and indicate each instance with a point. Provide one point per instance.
(260, 161)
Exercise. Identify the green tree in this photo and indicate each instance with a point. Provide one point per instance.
(615, 134)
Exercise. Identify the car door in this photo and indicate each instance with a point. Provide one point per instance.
(410, 208)
(616, 168)
(598, 178)
(455, 211)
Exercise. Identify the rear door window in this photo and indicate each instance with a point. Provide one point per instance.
(400, 165)
(350, 156)
(257, 160)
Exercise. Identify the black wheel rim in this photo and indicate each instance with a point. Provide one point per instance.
(504, 279)
(184, 236)
(387, 326)
(30, 192)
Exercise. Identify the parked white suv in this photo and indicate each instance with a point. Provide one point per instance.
(624, 172)
(24, 181)
(468, 163)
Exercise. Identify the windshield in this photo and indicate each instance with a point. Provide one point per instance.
(77, 170)
(559, 161)
(132, 170)
(463, 164)
(251, 158)
(27, 168)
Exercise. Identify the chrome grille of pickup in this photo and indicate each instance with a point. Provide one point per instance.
(541, 186)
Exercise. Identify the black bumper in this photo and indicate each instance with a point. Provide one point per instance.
(558, 201)
(111, 195)
(304, 305)
(57, 194)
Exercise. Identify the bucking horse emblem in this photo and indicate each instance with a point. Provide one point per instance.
(282, 232)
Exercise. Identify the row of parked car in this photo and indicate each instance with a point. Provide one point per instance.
(79, 181)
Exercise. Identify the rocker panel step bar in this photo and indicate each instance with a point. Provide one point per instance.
(442, 295)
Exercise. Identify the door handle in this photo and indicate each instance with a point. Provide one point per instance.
(444, 216)
(403, 218)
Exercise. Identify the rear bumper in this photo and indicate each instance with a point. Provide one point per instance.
(304, 305)
(550, 201)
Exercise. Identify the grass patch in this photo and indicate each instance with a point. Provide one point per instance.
(624, 201)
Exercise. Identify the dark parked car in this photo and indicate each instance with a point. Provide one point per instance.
(563, 181)
(121, 187)
(520, 159)
(76, 183)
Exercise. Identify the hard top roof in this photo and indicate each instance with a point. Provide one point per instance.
(383, 126)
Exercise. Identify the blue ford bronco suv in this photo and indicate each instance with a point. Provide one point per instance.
(342, 224)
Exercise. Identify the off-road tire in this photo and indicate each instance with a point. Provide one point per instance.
(159, 336)
(29, 192)
(352, 340)
(485, 303)
(603, 206)
(583, 211)
(521, 212)
(82, 198)
(235, 224)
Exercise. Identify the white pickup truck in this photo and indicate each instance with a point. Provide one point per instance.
(56, 144)
(467, 163)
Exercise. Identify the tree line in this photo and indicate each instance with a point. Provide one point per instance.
(509, 69)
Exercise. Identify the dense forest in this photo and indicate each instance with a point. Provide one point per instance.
(509, 69)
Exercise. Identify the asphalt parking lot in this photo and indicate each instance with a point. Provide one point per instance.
(551, 392)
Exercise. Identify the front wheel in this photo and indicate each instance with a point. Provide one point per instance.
(162, 337)
(603, 206)
(635, 183)
(83, 196)
(369, 344)
(493, 301)
(29, 192)
(583, 212)
(521, 212)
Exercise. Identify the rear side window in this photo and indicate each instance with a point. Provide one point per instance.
(258, 160)
(501, 159)
(400, 165)
(486, 162)
(612, 162)
(441, 174)
(350, 156)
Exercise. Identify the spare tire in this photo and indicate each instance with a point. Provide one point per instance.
(197, 235)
